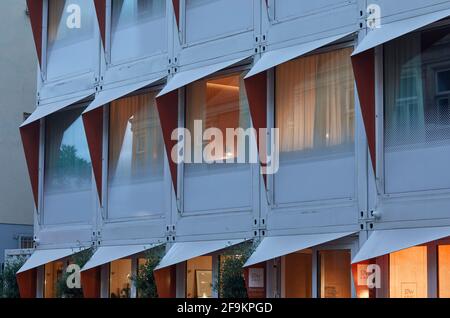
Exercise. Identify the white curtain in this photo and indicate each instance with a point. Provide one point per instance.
(315, 102)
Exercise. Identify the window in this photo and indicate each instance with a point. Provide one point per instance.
(218, 103)
(120, 279)
(138, 29)
(68, 196)
(417, 111)
(136, 158)
(335, 274)
(315, 117)
(26, 242)
(315, 105)
(408, 273)
(199, 277)
(298, 275)
(444, 271)
(75, 44)
(53, 273)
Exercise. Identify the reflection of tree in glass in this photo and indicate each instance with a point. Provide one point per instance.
(71, 170)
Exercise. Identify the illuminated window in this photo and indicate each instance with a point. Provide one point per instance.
(298, 275)
(53, 273)
(199, 277)
(120, 279)
(444, 271)
(408, 273)
(219, 103)
(335, 274)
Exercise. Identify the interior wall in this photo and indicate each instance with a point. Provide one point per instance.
(197, 270)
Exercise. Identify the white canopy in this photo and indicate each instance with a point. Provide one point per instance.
(184, 78)
(390, 31)
(277, 246)
(106, 254)
(280, 56)
(42, 257)
(184, 251)
(384, 242)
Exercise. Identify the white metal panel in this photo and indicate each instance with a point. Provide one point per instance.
(388, 241)
(41, 257)
(277, 246)
(285, 9)
(393, 30)
(50, 108)
(184, 251)
(107, 96)
(210, 19)
(106, 254)
(189, 76)
(277, 57)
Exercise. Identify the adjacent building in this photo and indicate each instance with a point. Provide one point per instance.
(358, 90)
(18, 95)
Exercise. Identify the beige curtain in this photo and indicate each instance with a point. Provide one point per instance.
(315, 101)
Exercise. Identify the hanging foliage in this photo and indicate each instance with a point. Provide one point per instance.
(144, 280)
(62, 287)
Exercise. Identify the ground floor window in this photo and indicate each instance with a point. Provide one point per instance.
(297, 278)
(120, 279)
(444, 271)
(335, 274)
(199, 280)
(53, 273)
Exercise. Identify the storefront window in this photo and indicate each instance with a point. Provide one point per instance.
(335, 274)
(315, 105)
(120, 279)
(77, 43)
(219, 103)
(53, 273)
(298, 275)
(130, 25)
(68, 170)
(417, 111)
(408, 273)
(199, 281)
(136, 158)
(444, 271)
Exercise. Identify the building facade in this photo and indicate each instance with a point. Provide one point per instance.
(18, 96)
(357, 90)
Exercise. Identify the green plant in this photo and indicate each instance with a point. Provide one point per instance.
(8, 281)
(62, 290)
(144, 280)
(230, 282)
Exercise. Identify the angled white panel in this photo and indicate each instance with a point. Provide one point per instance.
(106, 254)
(50, 108)
(280, 56)
(390, 31)
(42, 257)
(184, 251)
(384, 242)
(109, 95)
(277, 246)
(186, 77)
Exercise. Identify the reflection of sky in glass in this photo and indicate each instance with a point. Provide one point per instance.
(126, 152)
(74, 136)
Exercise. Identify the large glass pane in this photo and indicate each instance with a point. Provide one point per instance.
(444, 271)
(199, 277)
(71, 48)
(335, 274)
(138, 29)
(315, 115)
(408, 273)
(298, 275)
(120, 279)
(68, 194)
(53, 273)
(136, 158)
(417, 111)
